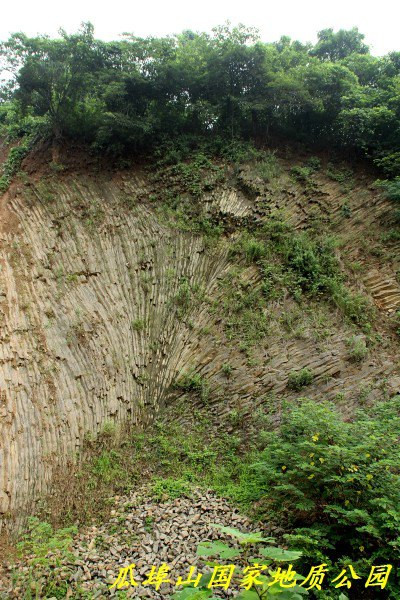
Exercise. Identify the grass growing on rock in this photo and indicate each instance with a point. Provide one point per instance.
(168, 455)
(303, 264)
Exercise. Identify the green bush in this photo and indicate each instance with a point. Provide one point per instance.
(248, 550)
(302, 264)
(238, 151)
(302, 174)
(192, 381)
(334, 484)
(314, 163)
(312, 262)
(243, 308)
(249, 247)
(339, 175)
(169, 488)
(227, 370)
(137, 325)
(300, 379)
(47, 553)
(355, 307)
(391, 188)
(40, 539)
(12, 164)
(268, 167)
(357, 348)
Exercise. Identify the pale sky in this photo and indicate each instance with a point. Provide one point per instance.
(300, 19)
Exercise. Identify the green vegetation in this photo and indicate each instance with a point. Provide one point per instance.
(334, 485)
(246, 551)
(300, 379)
(47, 550)
(169, 488)
(303, 263)
(135, 93)
(331, 486)
(176, 457)
(227, 369)
(192, 381)
(391, 190)
(397, 322)
(12, 164)
(244, 308)
(302, 174)
(357, 348)
(267, 167)
(137, 325)
(180, 178)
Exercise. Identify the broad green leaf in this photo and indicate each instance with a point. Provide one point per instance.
(294, 593)
(217, 548)
(244, 538)
(279, 554)
(247, 595)
(276, 589)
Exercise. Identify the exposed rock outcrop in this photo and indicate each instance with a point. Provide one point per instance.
(91, 326)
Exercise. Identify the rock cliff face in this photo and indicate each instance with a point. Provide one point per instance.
(103, 303)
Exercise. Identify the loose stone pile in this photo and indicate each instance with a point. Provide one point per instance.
(146, 533)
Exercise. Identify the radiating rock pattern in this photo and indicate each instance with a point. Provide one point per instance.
(89, 328)
(102, 305)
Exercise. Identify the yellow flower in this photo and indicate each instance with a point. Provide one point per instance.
(312, 454)
(315, 437)
(361, 548)
(321, 460)
(368, 455)
(369, 476)
(284, 468)
(312, 463)
(311, 476)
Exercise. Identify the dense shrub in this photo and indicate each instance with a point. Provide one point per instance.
(300, 379)
(335, 484)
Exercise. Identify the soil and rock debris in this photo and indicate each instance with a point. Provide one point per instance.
(146, 533)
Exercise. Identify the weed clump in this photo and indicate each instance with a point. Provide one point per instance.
(192, 381)
(300, 379)
(357, 349)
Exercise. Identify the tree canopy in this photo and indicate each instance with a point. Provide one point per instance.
(128, 95)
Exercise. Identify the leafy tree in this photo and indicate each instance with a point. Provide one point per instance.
(133, 94)
(54, 77)
(333, 46)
